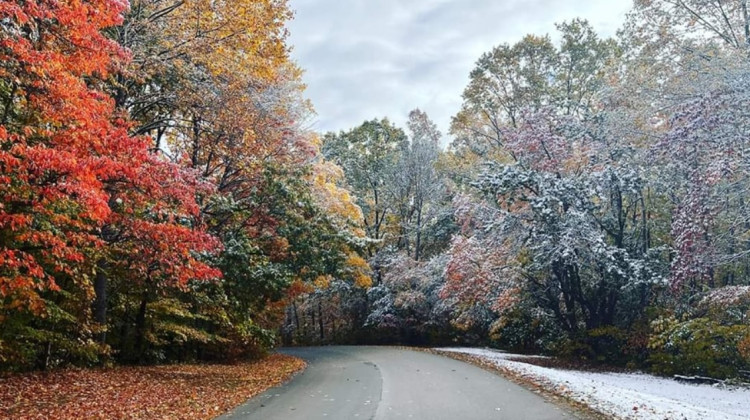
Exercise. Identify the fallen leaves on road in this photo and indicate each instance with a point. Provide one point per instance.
(154, 392)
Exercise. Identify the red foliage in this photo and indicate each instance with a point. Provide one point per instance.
(66, 158)
(694, 251)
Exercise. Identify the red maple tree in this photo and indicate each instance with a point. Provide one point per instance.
(68, 166)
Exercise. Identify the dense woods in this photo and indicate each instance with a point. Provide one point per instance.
(591, 203)
(162, 201)
(159, 197)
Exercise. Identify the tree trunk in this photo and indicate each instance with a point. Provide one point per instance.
(140, 327)
(296, 321)
(320, 320)
(746, 23)
(100, 300)
(418, 240)
(101, 279)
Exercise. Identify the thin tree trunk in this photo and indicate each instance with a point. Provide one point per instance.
(100, 300)
(140, 327)
(296, 321)
(296, 315)
(320, 320)
(746, 23)
(418, 240)
(101, 280)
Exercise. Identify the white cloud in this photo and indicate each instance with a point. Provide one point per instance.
(369, 59)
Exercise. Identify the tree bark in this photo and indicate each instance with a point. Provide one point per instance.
(320, 320)
(101, 281)
(418, 240)
(746, 23)
(100, 300)
(140, 327)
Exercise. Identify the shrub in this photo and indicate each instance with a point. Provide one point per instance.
(608, 344)
(698, 346)
(525, 330)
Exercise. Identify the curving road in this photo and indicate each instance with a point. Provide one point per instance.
(389, 383)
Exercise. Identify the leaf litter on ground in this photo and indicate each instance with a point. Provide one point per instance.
(199, 391)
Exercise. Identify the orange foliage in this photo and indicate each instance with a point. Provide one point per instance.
(67, 159)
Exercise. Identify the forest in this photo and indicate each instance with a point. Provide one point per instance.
(163, 200)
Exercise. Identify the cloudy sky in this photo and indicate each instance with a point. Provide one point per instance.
(367, 59)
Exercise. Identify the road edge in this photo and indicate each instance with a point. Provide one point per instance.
(584, 411)
(276, 383)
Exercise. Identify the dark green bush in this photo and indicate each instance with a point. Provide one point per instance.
(526, 330)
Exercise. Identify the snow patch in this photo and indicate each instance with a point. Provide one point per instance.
(629, 395)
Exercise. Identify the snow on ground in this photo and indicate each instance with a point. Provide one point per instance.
(630, 395)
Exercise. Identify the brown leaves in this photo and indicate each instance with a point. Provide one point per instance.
(159, 392)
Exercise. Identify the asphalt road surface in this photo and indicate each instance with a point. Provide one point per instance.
(387, 383)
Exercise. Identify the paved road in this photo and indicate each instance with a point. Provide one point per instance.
(386, 383)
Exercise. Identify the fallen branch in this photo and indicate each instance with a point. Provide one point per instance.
(697, 379)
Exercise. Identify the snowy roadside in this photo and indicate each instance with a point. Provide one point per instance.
(627, 395)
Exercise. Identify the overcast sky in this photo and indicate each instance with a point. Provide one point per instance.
(367, 59)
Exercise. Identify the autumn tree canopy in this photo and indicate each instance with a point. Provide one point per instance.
(159, 195)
